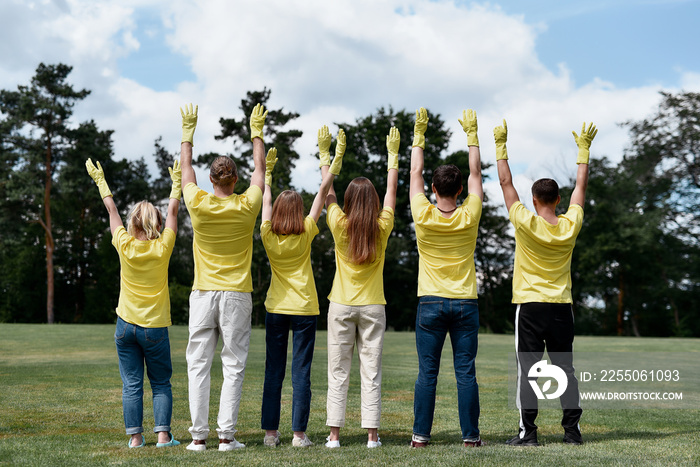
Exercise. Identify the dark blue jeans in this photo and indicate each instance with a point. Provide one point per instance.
(436, 317)
(277, 328)
(137, 346)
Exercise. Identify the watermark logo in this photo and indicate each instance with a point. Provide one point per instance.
(543, 369)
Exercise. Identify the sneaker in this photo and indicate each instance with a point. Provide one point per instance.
(197, 445)
(229, 444)
(527, 440)
(572, 439)
(304, 442)
(171, 443)
(332, 444)
(374, 444)
(474, 444)
(272, 441)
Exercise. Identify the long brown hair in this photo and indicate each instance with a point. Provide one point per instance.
(362, 208)
(288, 214)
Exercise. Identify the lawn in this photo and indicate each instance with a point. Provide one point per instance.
(60, 404)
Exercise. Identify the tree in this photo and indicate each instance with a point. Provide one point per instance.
(44, 107)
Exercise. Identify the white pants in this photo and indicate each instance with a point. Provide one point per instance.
(348, 325)
(215, 313)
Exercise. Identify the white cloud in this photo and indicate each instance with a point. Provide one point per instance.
(331, 62)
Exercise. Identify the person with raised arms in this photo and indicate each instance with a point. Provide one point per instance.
(292, 301)
(544, 318)
(220, 303)
(446, 236)
(356, 312)
(143, 311)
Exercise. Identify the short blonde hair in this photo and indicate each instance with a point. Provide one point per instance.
(144, 217)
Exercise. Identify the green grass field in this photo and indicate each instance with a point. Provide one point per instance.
(60, 404)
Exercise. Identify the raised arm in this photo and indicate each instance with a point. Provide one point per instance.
(189, 124)
(470, 127)
(328, 174)
(417, 185)
(324, 156)
(257, 122)
(510, 194)
(98, 175)
(393, 139)
(270, 162)
(174, 203)
(578, 196)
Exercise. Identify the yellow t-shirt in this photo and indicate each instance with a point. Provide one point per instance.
(542, 271)
(292, 288)
(144, 299)
(357, 284)
(446, 248)
(223, 237)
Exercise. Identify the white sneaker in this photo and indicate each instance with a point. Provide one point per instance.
(304, 442)
(197, 447)
(229, 444)
(374, 444)
(272, 441)
(332, 444)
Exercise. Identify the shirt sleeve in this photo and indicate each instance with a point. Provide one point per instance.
(519, 215)
(474, 205)
(252, 198)
(419, 204)
(310, 226)
(169, 237)
(386, 219)
(190, 194)
(119, 237)
(575, 215)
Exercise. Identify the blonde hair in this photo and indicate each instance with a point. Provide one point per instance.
(144, 218)
(223, 171)
(288, 214)
(362, 208)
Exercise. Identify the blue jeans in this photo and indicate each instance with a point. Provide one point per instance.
(303, 339)
(435, 318)
(136, 346)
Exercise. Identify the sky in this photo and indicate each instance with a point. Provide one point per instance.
(546, 66)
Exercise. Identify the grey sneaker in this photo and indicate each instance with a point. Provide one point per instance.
(304, 442)
(272, 441)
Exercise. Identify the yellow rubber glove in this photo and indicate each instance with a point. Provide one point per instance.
(500, 134)
(339, 152)
(584, 142)
(189, 123)
(98, 175)
(257, 122)
(470, 127)
(324, 146)
(392, 146)
(270, 162)
(176, 177)
(420, 127)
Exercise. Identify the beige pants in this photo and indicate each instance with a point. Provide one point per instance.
(347, 326)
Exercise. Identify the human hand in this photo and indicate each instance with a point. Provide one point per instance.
(98, 176)
(420, 127)
(584, 142)
(393, 139)
(470, 127)
(176, 177)
(257, 122)
(500, 134)
(340, 146)
(189, 123)
(270, 162)
(324, 146)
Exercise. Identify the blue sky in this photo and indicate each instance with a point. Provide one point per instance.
(545, 65)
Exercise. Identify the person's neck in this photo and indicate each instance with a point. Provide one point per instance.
(223, 192)
(446, 206)
(548, 213)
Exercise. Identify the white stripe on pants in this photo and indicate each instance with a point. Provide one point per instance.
(215, 313)
(348, 325)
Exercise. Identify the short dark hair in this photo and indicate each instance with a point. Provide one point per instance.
(447, 180)
(545, 190)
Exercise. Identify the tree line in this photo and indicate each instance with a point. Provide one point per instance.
(635, 269)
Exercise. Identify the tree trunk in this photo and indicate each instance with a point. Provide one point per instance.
(49, 237)
(620, 305)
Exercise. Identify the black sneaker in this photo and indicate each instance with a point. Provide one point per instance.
(527, 440)
(572, 439)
